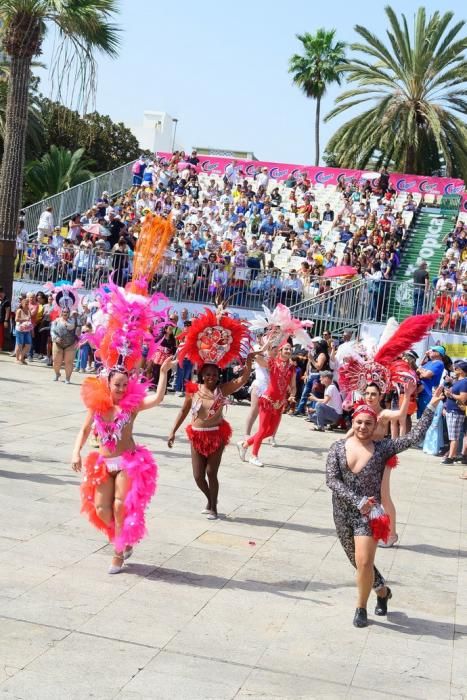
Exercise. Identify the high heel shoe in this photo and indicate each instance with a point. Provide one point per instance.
(382, 603)
(113, 568)
(360, 618)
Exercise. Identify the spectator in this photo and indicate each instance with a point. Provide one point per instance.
(430, 373)
(45, 226)
(456, 402)
(328, 409)
(5, 311)
(421, 280)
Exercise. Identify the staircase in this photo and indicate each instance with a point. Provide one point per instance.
(425, 242)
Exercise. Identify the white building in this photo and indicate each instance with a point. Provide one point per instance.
(157, 132)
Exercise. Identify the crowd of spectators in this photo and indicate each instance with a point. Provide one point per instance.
(450, 285)
(248, 239)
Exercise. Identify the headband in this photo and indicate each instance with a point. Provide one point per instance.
(364, 408)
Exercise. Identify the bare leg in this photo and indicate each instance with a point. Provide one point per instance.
(122, 486)
(69, 356)
(199, 464)
(18, 351)
(24, 353)
(453, 448)
(103, 500)
(387, 501)
(365, 549)
(57, 360)
(213, 464)
(253, 413)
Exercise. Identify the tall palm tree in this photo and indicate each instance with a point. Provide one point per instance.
(56, 171)
(416, 84)
(84, 26)
(319, 66)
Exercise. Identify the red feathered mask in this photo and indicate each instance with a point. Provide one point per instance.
(211, 338)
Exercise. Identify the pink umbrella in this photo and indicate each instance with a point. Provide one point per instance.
(184, 164)
(341, 271)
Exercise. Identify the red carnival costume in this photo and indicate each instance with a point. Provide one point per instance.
(273, 401)
(213, 338)
(125, 318)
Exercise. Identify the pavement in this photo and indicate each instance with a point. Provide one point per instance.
(256, 605)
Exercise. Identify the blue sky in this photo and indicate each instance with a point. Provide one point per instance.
(221, 68)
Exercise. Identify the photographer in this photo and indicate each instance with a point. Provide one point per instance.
(456, 400)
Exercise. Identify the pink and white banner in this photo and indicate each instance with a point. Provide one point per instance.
(330, 176)
(463, 206)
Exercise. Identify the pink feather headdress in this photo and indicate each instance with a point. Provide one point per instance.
(279, 325)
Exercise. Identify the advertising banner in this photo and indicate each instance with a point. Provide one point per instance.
(216, 165)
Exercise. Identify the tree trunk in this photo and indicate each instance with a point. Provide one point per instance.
(11, 173)
(318, 108)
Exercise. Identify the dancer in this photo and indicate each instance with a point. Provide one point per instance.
(281, 387)
(257, 389)
(354, 472)
(120, 478)
(212, 342)
(372, 397)
(374, 372)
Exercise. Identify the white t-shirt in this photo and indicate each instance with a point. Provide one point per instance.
(335, 400)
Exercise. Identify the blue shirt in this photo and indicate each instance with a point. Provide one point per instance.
(457, 388)
(430, 383)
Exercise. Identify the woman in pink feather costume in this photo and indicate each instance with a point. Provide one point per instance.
(120, 478)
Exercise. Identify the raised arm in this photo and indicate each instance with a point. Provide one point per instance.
(80, 442)
(392, 447)
(233, 386)
(404, 407)
(182, 414)
(334, 478)
(152, 401)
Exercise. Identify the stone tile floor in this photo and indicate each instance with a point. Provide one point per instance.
(256, 605)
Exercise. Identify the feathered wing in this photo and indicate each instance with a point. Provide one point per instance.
(411, 331)
(390, 329)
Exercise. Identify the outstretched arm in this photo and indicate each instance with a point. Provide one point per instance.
(80, 442)
(392, 447)
(151, 401)
(182, 414)
(233, 386)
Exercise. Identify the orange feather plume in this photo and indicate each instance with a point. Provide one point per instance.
(153, 240)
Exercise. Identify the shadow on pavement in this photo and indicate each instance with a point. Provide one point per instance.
(434, 550)
(281, 525)
(400, 622)
(39, 478)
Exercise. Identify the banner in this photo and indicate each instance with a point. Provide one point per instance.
(216, 165)
(464, 202)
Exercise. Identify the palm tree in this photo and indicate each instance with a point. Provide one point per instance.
(319, 66)
(416, 85)
(85, 27)
(56, 171)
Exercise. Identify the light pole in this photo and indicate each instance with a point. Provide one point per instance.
(157, 126)
(174, 122)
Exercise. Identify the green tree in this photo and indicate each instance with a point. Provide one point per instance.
(111, 144)
(56, 171)
(319, 66)
(416, 84)
(85, 27)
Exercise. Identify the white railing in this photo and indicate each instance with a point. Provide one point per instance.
(79, 198)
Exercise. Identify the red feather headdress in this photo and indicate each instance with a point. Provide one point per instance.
(215, 338)
(385, 369)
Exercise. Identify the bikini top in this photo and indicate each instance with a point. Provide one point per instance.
(219, 402)
(110, 432)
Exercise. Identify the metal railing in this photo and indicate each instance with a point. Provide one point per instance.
(181, 281)
(79, 198)
(361, 301)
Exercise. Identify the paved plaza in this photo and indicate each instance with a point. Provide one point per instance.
(256, 605)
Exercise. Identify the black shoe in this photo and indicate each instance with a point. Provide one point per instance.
(360, 618)
(462, 459)
(299, 413)
(448, 460)
(382, 603)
